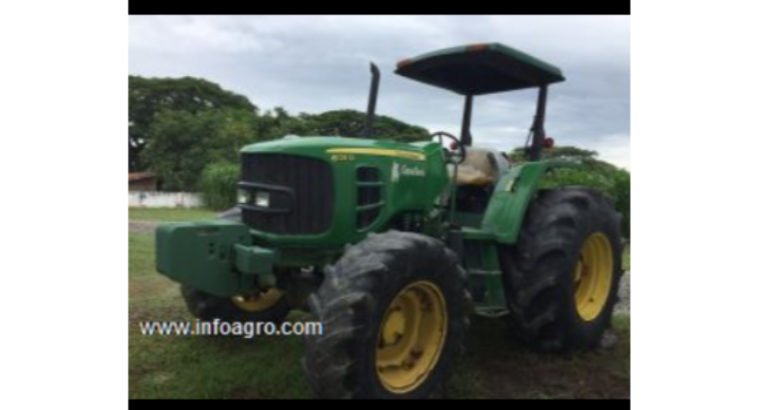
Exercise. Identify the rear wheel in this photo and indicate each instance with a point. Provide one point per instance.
(394, 314)
(562, 277)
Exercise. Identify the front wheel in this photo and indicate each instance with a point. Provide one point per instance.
(270, 305)
(394, 310)
(267, 306)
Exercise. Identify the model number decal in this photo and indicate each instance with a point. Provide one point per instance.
(341, 157)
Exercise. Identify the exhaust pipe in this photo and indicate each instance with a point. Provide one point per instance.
(372, 100)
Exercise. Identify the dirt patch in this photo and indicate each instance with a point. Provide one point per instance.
(497, 365)
(139, 226)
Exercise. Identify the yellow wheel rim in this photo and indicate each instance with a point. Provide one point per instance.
(411, 337)
(262, 301)
(593, 276)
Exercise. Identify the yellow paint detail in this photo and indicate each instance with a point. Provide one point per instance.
(262, 301)
(384, 152)
(411, 337)
(593, 276)
(508, 186)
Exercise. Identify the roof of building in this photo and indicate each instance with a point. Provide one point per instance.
(137, 176)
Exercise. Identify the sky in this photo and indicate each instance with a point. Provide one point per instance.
(319, 63)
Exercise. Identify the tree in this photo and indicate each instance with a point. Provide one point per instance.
(149, 96)
(181, 144)
(351, 123)
(345, 123)
(278, 123)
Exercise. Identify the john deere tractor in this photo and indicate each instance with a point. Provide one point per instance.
(392, 245)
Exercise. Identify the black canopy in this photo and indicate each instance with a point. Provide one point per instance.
(479, 69)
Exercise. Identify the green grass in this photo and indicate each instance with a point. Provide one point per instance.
(170, 214)
(495, 365)
(627, 258)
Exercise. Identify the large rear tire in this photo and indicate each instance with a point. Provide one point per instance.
(394, 310)
(561, 278)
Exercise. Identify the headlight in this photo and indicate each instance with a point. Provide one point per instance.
(262, 199)
(243, 196)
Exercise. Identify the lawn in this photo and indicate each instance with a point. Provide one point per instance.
(495, 365)
(169, 214)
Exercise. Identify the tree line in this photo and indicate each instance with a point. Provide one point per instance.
(180, 126)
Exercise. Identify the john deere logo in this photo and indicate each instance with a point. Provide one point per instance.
(398, 171)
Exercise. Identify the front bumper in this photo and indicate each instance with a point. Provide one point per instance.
(215, 256)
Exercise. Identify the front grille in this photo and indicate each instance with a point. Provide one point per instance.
(368, 196)
(301, 193)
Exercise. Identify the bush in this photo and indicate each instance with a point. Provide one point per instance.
(218, 185)
(622, 190)
(182, 144)
(615, 183)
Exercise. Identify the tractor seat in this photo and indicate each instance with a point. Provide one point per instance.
(479, 168)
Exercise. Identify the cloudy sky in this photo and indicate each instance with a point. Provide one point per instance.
(319, 63)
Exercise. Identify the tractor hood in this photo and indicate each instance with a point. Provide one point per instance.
(341, 148)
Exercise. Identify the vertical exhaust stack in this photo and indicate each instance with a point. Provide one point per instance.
(372, 100)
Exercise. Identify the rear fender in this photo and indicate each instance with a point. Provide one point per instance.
(511, 197)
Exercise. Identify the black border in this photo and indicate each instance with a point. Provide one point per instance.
(142, 7)
(605, 404)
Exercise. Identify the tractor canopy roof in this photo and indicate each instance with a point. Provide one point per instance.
(479, 69)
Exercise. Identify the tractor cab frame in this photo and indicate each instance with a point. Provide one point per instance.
(480, 69)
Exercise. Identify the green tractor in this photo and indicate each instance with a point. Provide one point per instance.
(391, 245)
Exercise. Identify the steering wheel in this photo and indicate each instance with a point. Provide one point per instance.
(457, 156)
